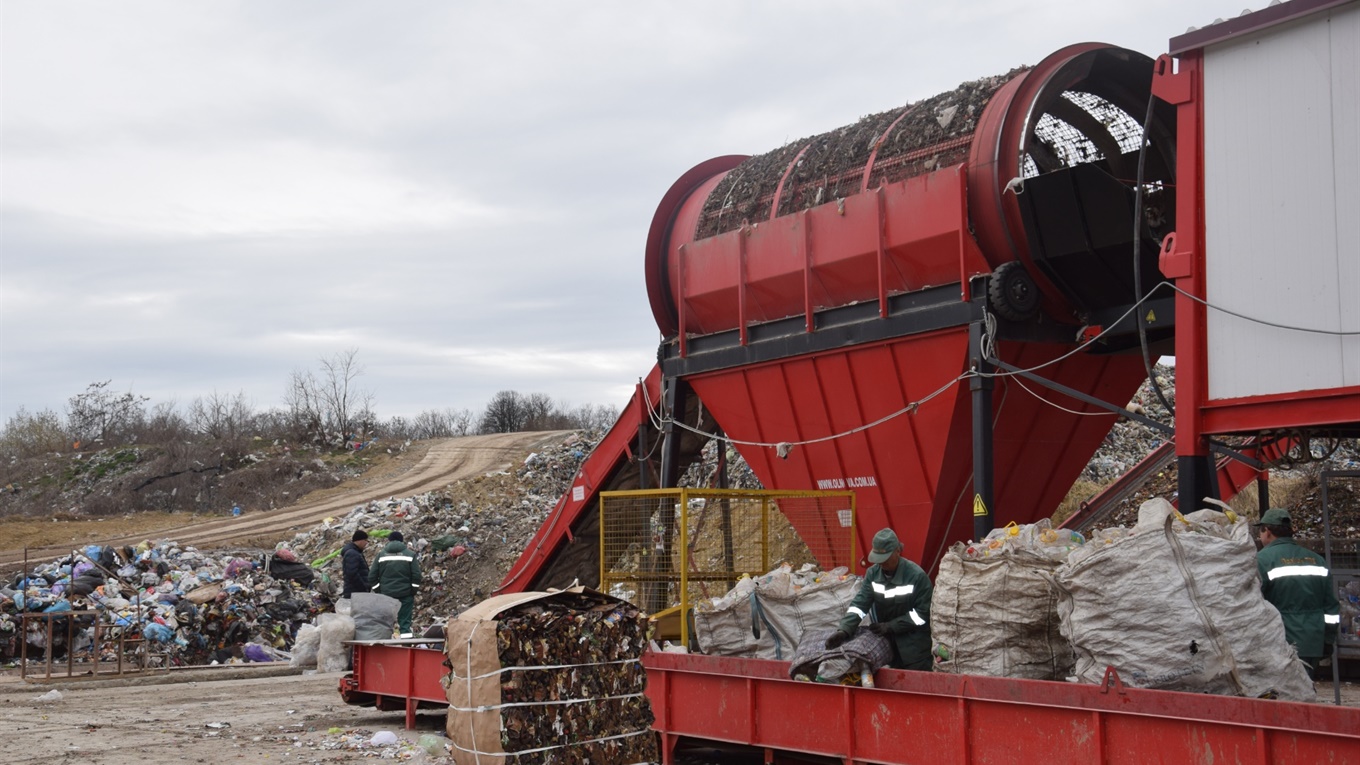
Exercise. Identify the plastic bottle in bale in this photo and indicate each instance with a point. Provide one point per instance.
(549, 677)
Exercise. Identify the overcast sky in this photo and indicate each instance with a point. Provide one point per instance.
(200, 197)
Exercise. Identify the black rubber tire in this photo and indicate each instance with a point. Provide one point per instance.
(1012, 293)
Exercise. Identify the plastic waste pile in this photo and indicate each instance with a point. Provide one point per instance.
(1174, 603)
(193, 606)
(766, 617)
(994, 608)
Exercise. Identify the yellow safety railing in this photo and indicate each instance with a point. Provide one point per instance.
(664, 549)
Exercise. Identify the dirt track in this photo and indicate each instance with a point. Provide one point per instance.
(446, 461)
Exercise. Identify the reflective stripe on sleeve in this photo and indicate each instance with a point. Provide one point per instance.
(1276, 573)
(856, 612)
(1331, 618)
(916, 618)
(893, 592)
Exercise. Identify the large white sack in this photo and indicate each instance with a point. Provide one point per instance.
(332, 655)
(995, 608)
(786, 605)
(1176, 604)
(999, 616)
(305, 646)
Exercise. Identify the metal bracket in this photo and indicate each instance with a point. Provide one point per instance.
(1111, 680)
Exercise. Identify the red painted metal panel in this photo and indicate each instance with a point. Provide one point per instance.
(837, 244)
(1283, 410)
(914, 472)
(595, 471)
(913, 717)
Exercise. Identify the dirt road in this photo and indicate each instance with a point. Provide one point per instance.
(270, 719)
(446, 461)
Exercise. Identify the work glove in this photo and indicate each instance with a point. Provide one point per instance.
(837, 639)
(878, 628)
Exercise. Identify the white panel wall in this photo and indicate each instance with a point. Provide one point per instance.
(1282, 206)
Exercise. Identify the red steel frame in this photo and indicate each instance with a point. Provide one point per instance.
(915, 717)
(395, 675)
(1180, 81)
(912, 717)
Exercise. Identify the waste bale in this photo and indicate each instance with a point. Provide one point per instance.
(766, 617)
(994, 610)
(1175, 603)
(549, 678)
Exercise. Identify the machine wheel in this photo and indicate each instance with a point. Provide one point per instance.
(1012, 293)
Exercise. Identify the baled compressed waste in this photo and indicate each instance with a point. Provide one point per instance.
(194, 606)
(550, 678)
(994, 610)
(1175, 604)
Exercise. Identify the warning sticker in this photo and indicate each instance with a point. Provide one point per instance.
(979, 507)
(578, 493)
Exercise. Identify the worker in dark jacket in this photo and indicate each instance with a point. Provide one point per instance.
(1296, 581)
(396, 574)
(896, 592)
(355, 567)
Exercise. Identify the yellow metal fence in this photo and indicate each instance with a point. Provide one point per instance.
(666, 549)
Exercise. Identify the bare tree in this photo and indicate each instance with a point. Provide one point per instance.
(330, 406)
(221, 416)
(348, 407)
(99, 414)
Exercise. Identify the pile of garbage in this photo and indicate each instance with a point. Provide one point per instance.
(1129, 441)
(467, 535)
(190, 606)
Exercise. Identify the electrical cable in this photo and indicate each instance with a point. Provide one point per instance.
(1060, 406)
(1276, 325)
(1137, 255)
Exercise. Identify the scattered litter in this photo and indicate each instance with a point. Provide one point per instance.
(51, 697)
(383, 738)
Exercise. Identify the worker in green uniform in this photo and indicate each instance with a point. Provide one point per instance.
(897, 594)
(1296, 581)
(396, 574)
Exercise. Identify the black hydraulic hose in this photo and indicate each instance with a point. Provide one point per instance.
(1137, 256)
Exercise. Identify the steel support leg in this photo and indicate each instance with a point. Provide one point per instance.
(1197, 478)
(984, 507)
(676, 397)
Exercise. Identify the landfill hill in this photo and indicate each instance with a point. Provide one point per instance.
(471, 531)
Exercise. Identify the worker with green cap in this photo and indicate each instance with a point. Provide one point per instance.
(1296, 581)
(896, 594)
